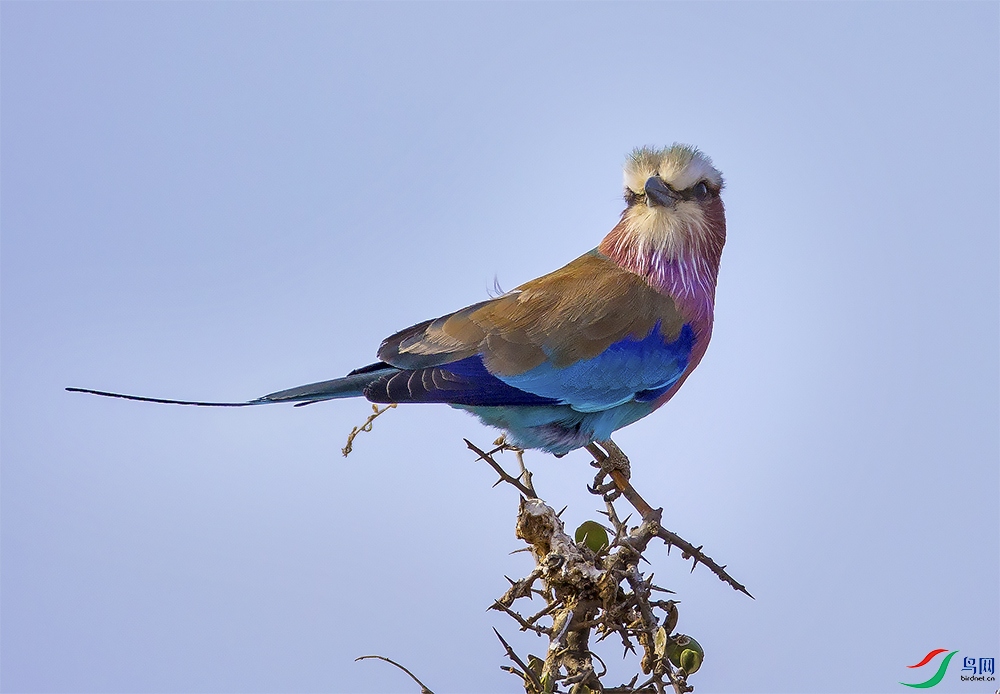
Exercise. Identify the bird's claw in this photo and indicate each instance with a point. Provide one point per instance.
(609, 491)
(609, 457)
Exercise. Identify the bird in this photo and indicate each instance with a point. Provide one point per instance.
(565, 360)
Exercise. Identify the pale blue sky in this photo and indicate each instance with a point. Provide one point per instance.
(220, 200)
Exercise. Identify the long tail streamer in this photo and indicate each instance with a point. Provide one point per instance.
(165, 401)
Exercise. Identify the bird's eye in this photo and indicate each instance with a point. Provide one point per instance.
(631, 197)
(701, 191)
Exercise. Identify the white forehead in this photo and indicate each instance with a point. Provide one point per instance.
(681, 166)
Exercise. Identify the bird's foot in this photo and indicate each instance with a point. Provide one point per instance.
(608, 456)
(613, 463)
(608, 460)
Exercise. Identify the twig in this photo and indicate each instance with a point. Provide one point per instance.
(525, 473)
(525, 488)
(689, 550)
(423, 687)
(520, 588)
(546, 610)
(528, 673)
(367, 426)
(525, 624)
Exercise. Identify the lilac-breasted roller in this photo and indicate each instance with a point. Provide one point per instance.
(566, 359)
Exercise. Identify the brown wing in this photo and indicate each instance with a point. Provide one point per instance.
(569, 315)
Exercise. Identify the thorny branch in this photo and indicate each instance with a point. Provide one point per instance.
(526, 672)
(649, 515)
(423, 687)
(597, 590)
(522, 482)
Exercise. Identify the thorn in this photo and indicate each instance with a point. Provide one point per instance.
(475, 449)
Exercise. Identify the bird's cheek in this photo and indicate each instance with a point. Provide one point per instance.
(688, 214)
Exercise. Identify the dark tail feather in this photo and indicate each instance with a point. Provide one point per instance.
(163, 400)
(350, 386)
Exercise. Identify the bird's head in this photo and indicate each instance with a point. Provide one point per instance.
(673, 217)
(672, 198)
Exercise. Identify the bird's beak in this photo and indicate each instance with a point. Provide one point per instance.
(659, 193)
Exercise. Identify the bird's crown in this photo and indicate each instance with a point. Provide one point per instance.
(679, 166)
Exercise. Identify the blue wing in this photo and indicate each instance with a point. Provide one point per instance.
(629, 369)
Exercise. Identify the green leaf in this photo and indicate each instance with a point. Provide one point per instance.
(593, 535)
